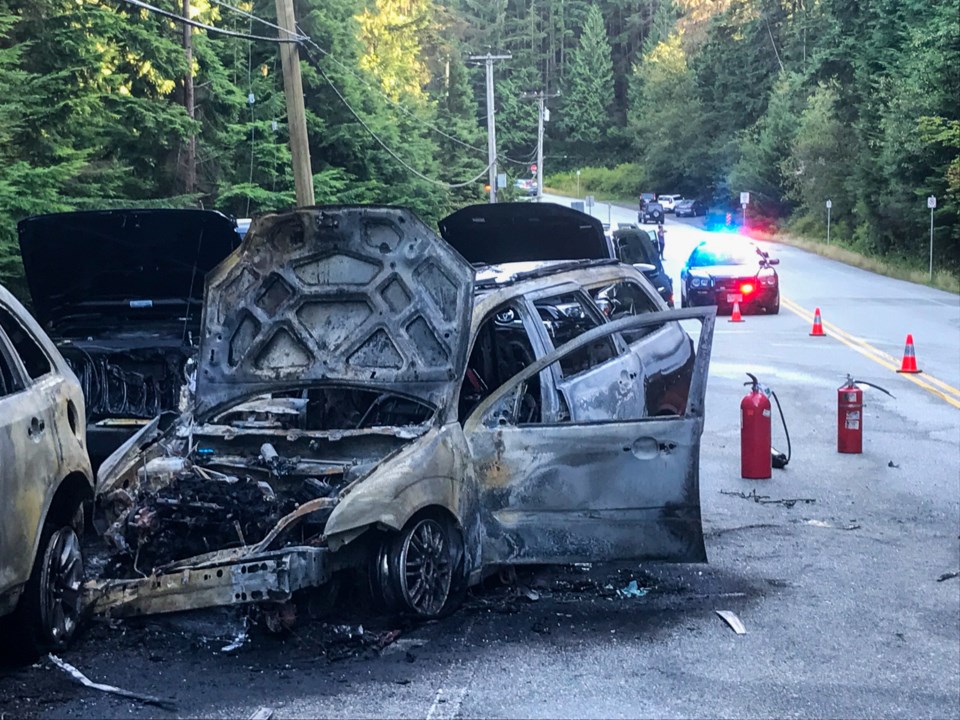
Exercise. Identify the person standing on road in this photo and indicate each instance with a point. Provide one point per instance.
(660, 239)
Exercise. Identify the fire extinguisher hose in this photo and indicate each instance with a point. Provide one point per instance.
(785, 430)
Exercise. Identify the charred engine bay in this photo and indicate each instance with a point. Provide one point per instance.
(233, 481)
(127, 382)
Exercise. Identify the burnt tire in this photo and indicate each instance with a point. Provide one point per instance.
(419, 571)
(49, 611)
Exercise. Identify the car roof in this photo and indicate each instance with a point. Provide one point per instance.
(492, 277)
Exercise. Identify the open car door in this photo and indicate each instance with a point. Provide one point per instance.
(592, 491)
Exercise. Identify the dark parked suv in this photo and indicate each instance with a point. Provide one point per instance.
(120, 292)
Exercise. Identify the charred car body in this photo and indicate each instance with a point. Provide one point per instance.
(366, 400)
(520, 232)
(45, 481)
(120, 292)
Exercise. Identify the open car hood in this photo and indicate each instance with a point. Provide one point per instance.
(359, 295)
(518, 232)
(120, 269)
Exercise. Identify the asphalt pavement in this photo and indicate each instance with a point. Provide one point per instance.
(833, 566)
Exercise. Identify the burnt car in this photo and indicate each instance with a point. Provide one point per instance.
(45, 480)
(724, 272)
(120, 292)
(488, 234)
(368, 403)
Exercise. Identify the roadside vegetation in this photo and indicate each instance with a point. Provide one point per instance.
(795, 102)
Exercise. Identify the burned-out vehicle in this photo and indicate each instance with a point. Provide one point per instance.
(120, 293)
(368, 402)
(45, 481)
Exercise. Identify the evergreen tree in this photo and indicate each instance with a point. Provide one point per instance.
(588, 88)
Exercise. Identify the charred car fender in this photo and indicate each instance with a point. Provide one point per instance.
(430, 472)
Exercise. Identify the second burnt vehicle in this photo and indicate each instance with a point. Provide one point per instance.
(367, 402)
(120, 293)
(520, 232)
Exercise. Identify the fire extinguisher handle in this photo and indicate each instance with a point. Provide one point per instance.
(753, 380)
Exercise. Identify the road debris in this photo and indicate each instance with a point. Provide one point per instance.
(632, 590)
(892, 464)
(948, 576)
(766, 499)
(239, 641)
(263, 713)
(825, 524)
(87, 682)
(733, 621)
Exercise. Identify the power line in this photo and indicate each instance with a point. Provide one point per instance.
(386, 147)
(400, 106)
(251, 16)
(210, 28)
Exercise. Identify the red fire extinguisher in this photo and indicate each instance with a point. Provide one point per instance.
(755, 457)
(850, 415)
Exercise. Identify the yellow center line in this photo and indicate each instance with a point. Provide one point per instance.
(927, 382)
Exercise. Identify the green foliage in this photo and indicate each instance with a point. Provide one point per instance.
(795, 102)
(666, 120)
(623, 182)
(588, 87)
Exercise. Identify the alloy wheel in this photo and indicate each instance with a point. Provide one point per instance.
(60, 581)
(425, 568)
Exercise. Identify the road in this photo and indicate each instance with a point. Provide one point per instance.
(844, 613)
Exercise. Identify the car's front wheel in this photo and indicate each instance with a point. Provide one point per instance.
(418, 571)
(48, 612)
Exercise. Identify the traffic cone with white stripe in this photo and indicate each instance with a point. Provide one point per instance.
(735, 315)
(817, 325)
(909, 364)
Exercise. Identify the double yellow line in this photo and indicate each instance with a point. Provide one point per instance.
(946, 392)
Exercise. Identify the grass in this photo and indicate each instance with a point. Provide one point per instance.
(890, 267)
(560, 184)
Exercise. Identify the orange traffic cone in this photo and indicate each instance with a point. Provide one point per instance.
(735, 315)
(909, 364)
(817, 325)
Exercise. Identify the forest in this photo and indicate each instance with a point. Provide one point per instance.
(796, 101)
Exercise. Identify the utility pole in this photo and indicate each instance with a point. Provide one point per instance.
(491, 125)
(296, 114)
(543, 116)
(190, 171)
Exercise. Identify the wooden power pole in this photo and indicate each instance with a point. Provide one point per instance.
(491, 121)
(296, 114)
(190, 169)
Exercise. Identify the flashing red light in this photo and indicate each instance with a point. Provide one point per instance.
(747, 288)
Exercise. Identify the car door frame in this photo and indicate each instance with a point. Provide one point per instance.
(585, 533)
(24, 486)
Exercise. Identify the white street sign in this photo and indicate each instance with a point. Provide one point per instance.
(589, 201)
(932, 202)
(744, 198)
(829, 204)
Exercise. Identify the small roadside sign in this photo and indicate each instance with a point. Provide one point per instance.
(501, 180)
(589, 201)
(744, 198)
(932, 202)
(533, 168)
(829, 204)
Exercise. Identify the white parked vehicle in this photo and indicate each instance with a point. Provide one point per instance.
(669, 202)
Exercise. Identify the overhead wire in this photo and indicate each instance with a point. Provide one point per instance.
(301, 39)
(386, 147)
(210, 28)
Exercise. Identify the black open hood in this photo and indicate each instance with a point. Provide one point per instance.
(105, 271)
(520, 232)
